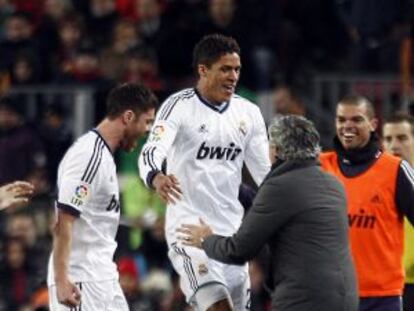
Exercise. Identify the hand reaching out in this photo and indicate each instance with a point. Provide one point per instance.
(168, 187)
(15, 194)
(194, 235)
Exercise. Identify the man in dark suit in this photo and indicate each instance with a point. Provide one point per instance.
(300, 213)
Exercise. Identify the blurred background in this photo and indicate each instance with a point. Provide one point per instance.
(59, 59)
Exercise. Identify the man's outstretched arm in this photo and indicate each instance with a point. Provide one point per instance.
(15, 194)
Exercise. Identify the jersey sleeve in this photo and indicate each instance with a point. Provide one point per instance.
(257, 151)
(77, 179)
(405, 191)
(160, 140)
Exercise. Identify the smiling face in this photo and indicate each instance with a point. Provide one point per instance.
(354, 125)
(218, 82)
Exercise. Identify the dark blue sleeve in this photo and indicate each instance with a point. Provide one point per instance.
(405, 191)
(246, 196)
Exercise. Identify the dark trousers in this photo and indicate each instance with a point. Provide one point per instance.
(391, 303)
(408, 298)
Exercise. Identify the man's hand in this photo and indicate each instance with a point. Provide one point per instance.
(68, 294)
(15, 194)
(193, 235)
(168, 187)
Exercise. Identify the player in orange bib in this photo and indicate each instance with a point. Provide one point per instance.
(380, 191)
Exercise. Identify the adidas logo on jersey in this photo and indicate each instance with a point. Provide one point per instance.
(376, 199)
(217, 152)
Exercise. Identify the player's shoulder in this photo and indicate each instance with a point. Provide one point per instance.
(84, 157)
(86, 145)
(181, 95)
(243, 104)
(391, 158)
(175, 102)
(242, 101)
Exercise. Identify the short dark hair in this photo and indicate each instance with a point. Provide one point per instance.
(399, 117)
(135, 97)
(211, 47)
(295, 138)
(356, 100)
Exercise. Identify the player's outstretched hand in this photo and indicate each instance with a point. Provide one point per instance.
(194, 235)
(15, 194)
(68, 294)
(168, 187)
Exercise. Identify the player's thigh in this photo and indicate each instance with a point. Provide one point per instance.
(238, 282)
(194, 268)
(212, 297)
(54, 305)
(118, 302)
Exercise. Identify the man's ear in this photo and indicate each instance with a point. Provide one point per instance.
(128, 116)
(373, 124)
(202, 70)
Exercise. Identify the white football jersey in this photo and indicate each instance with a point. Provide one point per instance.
(88, 188)
(205, 147)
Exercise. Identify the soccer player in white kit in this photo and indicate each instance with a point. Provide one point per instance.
(81, 272)
(205, 134)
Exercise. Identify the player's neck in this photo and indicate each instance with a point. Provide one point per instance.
(204, 94)
(110, 132)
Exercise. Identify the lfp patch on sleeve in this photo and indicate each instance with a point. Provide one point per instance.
(157, 133)
(81, 194)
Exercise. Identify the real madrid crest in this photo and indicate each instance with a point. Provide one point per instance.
(202, 269)
(243, 128)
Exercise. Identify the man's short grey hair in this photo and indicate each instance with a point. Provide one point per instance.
(295, 138)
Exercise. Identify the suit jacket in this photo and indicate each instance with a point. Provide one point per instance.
(300, 213)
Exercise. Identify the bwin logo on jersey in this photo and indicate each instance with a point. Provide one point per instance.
(113, 205)
(217, 152)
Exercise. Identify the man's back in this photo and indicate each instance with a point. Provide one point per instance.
(311, 254)
(88, 187)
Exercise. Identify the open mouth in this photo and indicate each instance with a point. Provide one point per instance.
(229, 89)
(348, 136)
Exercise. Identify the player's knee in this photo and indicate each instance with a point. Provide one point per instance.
(213, 297)
(222, 305)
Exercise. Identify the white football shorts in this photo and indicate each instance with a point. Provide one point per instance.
(196, 270)
(95, 296)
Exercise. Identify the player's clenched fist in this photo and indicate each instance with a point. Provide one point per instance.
(68, 294)
(168, 187)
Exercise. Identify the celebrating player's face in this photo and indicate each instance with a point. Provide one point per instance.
(399, 140)
(139, 126)
(221, 78)
(353, 125)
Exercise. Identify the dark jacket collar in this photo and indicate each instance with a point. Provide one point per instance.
(281, 167)
(364, 155)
